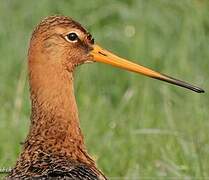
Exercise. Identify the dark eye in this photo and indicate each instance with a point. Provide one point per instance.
(72, 37)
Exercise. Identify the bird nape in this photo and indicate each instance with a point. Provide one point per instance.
(54, 147)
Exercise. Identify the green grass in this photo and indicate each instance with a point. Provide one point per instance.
(134, 126)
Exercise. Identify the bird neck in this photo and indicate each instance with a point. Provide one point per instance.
(54, 119)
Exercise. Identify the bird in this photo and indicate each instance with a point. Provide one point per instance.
(54, 147)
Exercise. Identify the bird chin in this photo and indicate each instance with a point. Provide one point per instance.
(88, 61)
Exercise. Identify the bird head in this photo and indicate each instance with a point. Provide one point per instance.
(64, 42)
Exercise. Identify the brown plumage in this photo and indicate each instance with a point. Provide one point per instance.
(54, 148)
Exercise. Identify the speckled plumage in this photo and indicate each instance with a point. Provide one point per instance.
(54, 147)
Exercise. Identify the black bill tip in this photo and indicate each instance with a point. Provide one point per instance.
(180, 83)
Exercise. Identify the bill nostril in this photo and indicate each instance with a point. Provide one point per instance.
(102, 53)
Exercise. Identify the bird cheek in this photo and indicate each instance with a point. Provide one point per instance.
(82, 59)
(68, 62)
(73, 61)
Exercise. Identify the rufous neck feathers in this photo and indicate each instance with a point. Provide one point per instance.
(54, 118)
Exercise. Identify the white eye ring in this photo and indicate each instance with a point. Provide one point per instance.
(72, 37)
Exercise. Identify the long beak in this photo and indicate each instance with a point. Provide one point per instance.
(101, 55)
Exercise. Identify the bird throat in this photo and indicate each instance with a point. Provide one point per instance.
(54, 118)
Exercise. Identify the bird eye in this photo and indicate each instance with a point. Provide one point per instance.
(72, 37)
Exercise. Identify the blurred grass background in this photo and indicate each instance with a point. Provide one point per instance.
(134, 126)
